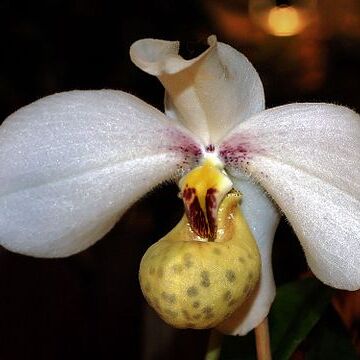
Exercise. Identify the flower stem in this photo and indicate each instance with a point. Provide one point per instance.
(214, 345)
(263, 341)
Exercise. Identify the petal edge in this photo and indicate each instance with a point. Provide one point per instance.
(68, 163)
(307, 157)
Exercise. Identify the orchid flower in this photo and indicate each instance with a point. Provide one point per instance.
(72, 163)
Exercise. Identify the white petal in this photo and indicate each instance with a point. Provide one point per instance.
(209, 94)
(263, 219)
(72, 163)
(307, 157)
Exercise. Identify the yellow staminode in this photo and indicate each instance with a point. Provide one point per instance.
(202, 190)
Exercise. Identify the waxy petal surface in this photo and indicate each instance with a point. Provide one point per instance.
(72, 163)
(263, 218)
(307, 157)
(209, 94)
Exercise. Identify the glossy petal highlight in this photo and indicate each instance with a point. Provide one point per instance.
(72, 163)
(209, 94)
(307, 157)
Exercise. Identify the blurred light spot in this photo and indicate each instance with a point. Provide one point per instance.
(284, 21)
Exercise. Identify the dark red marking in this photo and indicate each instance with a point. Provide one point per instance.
(211, 211)
(195, 214)
(198, 219)
(210, 148)
(203, 225)
(188, 193)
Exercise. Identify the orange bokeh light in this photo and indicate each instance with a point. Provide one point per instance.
(284, 21)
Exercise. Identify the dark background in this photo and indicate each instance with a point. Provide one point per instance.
(90, 305)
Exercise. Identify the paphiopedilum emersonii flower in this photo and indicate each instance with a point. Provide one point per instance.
(72, 163)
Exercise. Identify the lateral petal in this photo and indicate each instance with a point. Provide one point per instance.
(209, 94)
(263, 219)
(72, 163)
(307, 157)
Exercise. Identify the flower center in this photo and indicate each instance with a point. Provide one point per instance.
(202, 191)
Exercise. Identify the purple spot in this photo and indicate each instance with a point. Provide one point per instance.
(184, 144)
(210, 148)
(239, 150)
